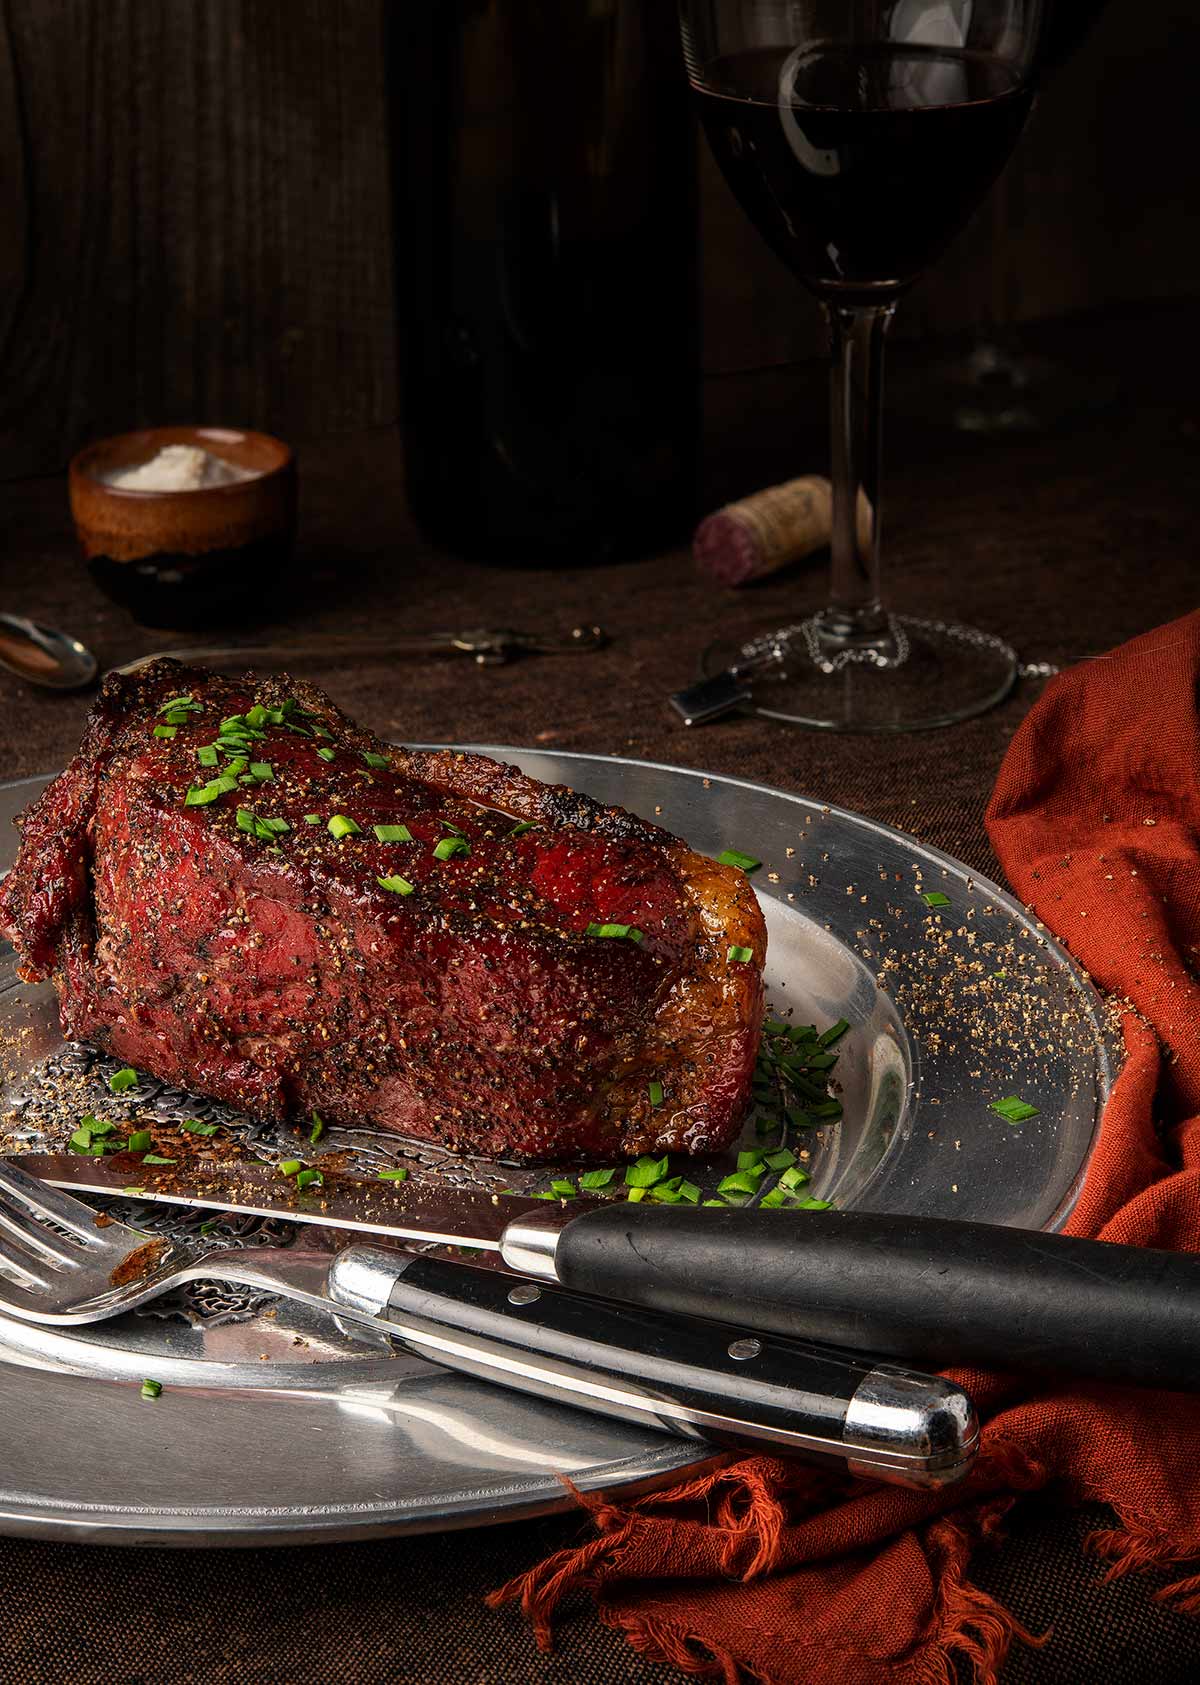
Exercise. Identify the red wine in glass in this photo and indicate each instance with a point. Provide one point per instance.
(858, 136)
(858, 167)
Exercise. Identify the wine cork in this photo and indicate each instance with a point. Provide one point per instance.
(766, 532)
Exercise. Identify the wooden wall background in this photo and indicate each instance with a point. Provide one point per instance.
(194, 220)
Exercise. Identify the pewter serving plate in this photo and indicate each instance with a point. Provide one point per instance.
(275, 1427)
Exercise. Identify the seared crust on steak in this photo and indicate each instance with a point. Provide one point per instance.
(275, 972)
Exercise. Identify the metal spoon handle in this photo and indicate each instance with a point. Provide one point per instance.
(488, 647)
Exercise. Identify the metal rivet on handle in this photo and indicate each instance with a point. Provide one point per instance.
(741, 1349)
(525, 1294)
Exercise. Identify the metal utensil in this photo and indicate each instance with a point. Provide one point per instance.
(487, 646)
(724, 692)
(44, 656)
(64, 1263)
(923, 1290)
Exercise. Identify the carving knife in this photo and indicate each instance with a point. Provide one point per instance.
(921, 1290)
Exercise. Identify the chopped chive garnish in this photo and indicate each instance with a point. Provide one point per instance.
(235, 768)
(312, 818)
(165, 730)
(151, 1389)
(453, 829)
(635, 1193)
(690, 1192)
(123, 1079)
(935, 898)
(325, 754)
(794, 1177)
(397, 885)
(740, 955)
(89, 1133)
(196, 1126)
(317, 1130)
(341, 825)
(392, 1175)
(815, 1205)
(157, 1158)
(646, 1172)
(200, 796)
(666, 1194)
(132, 1193)
(626, 932)
(207, 756)
(717, 1202)
(596, 1179)
(140, 1141)
(309, 1179)
(1000, 974)
(564, 1189)
(393, 833)
(772, 1199)
(655, 1092)
(733, 857)
(820, 1061)
(179, 716)
(188, 702)
(450, 846)
(741, 1182)
(372, 759)
(835, 1032)
(1014, 1109)
(266, 830)
(520, 830)
(209, 1226)
(751, 1160)
(262, 770)
(290, 1167)
(784, 1159)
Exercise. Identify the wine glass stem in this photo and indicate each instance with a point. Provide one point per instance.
(855, 618)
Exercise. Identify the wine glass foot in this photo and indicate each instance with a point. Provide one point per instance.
(927, 673)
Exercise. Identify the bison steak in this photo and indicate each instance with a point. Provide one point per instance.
(240, 891)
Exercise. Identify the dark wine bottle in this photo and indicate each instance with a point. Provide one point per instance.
(546, 279)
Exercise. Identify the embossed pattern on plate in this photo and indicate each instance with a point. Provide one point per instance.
(392, 1444)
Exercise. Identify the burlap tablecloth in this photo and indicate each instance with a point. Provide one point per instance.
(1066, 546)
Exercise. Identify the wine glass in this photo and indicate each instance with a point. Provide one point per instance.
(999, 386)
(859, 135)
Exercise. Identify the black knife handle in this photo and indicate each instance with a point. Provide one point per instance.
(922, 1290)
(756, 1393)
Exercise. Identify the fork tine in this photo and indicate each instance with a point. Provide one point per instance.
(41, 1241)
(29, 1193)
(24, 1266)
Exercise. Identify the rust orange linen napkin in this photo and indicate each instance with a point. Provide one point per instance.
(776, 1572)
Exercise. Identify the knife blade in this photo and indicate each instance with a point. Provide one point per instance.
(409, 1210)
(920, 1289)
